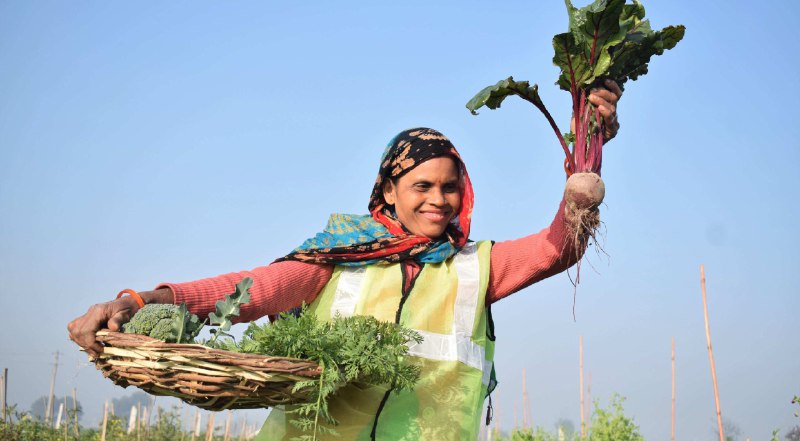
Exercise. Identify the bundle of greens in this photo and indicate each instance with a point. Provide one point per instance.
(607, 39)
(347, 349)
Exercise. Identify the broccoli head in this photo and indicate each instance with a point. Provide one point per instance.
(169, 323)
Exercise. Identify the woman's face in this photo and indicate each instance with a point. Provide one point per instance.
(427, 197)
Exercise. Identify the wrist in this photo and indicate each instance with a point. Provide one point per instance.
(160, 295)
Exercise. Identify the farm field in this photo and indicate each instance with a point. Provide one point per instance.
(152, 143)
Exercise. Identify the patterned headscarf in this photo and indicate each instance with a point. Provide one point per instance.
(357, 240)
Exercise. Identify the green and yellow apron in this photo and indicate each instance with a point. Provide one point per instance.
(446, 304)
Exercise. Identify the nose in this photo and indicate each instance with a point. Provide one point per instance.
(437, 197)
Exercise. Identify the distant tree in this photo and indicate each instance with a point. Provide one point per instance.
(123, 405)
(566, 426)
(732, 430)
(38, 408)
(793, 434)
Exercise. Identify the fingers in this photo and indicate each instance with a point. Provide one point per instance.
(605, 100)
(614, 88)
(83, 329)
(117, 320)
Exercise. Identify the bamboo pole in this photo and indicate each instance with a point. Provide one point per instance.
(132, 420)
(580, 363)
(196, 431)
(105, 422)
(244, 428)
(145, 421)
(228, 426)
(210, 427)
(4, 385)
(48, 415)
(60, 414)
(515, 416)
(66, 418)
(180, 418)
(497, 414)
(711, 353)
(158, 418)
(526, 410)
(672, 436)
(589, 402)
(75, 406)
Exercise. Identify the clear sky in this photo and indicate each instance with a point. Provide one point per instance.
(151, 142)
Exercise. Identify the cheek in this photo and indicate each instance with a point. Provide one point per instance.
(455, 202)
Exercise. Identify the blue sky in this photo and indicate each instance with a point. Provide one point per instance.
(151, 142)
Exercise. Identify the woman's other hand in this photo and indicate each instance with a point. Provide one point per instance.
(111, 315)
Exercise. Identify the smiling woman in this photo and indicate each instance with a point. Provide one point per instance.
(426, 198)
(408, 261)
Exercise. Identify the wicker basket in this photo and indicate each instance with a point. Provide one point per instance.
(212, 379)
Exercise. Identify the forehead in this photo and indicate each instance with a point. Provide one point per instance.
(442, 168)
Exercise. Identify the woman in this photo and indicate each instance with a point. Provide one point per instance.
(409, 262)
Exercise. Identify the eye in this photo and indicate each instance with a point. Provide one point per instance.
(450, 188)
(422, 186)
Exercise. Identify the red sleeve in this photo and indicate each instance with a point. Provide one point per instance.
(276, 288)
(517, 264)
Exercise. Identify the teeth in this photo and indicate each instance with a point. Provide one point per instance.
(434, 216)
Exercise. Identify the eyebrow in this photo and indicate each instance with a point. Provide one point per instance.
(427, 181)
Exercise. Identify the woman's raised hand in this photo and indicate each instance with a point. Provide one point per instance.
(606, 99)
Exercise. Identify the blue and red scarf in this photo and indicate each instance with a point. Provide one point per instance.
(357, 240)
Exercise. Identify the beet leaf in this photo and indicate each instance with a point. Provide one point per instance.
(607, 39)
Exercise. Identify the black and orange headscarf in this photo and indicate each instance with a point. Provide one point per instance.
(357, 240)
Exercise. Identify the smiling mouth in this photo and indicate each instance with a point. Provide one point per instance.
(434, 217)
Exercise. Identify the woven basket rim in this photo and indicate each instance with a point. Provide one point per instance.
(213, 379)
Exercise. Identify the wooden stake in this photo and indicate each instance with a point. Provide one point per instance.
(132, 420)
(60, 414)
(228, 426)
(589, 402)
(244, 428)
(497, 414)
(196, 431)
(145, 418)
(210, 427)
(711, 353)
(526, 406)
(672, 436)
(515, 415)
(105, 422)
(180, 418)
(48, 415)
(66, 418)
(4, 385)
(580, 362)
(75, 406)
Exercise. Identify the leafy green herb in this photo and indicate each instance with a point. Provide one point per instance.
(607, 39)
(349, 349)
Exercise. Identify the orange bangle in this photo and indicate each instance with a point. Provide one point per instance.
(133, 294)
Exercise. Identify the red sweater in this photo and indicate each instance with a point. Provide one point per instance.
(515, 264)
